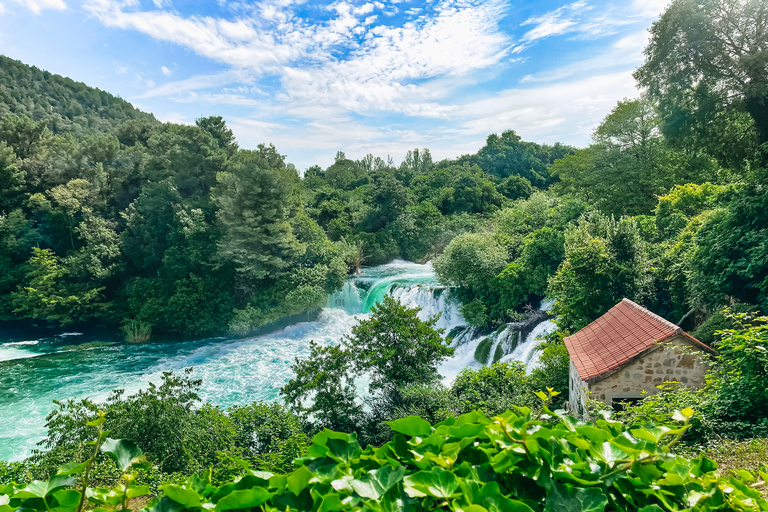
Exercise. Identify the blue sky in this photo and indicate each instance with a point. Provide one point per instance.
(360, 76)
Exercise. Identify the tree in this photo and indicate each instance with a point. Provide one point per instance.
(515, 187)
(217, 127)
(707, 64)
(270, 435)
(17, 235)
(323, 390)
(471, 261)
(397, 348)
(70, 200)
(12, 182)
(628, 163)
(605, 261)
(255, 206)
(44, 295)
(731, 257)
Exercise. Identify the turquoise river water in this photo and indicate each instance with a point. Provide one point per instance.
(38, 370)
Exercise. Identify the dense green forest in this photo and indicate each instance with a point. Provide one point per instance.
(108, 215)
(126, 221)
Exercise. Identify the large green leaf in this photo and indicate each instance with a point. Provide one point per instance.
(125, 453)
(246, 498)
(437, 483)
(163, 504)
(566, 498)
(48, 487)
(376, 483)
(187, 497)
(298, 480)
(411, 426)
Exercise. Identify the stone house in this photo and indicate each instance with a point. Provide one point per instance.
(628, 351)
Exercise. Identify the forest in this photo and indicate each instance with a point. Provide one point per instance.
(111, 217)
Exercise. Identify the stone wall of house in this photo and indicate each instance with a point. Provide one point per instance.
(577, 392)
(676, 361)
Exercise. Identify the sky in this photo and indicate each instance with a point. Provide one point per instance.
(359, 76)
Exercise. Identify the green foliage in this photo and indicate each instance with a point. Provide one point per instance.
(324, 389)
(136, 331)
(45, 295)
(627, 148)
(470, 261)
(605, 261)
(269, 435)
(513, 461)
(705, 66)
(254, 211)
(508, 155)
(731, 257)
(396, 348)
(61, 103)
(743, 371)
(493, 389)
(474, 313)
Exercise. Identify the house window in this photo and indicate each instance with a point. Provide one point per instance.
(619, 403)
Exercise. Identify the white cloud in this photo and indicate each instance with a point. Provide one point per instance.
(198, 82)
(166, 71)
(364, 9)
(37, 6)
(565, 110)
(375, 72)
(557, 22)
(625, 53)
(650, 8)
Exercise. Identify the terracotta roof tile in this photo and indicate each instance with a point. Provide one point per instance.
(620, 335)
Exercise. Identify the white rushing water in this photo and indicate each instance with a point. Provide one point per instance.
(33, 373)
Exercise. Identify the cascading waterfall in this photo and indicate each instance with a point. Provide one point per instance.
(34, 372)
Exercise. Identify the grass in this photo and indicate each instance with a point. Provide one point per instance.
(734, 455)
(137, 331)
(483, 350)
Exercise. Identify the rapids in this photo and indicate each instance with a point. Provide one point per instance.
(34, 372)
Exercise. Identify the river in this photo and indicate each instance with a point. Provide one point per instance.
(34, 372)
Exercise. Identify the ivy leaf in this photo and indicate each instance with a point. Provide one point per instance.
(181, 495)
(47, 487)
(246, 498)
(437, 483)
(137, 490)
(566, 498)
(411, 426)
(125, 453)
(164, 504)
(72, 468)
(67, 498)
(299, 479)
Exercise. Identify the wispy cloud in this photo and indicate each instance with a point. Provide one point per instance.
(37, 6)
(166, 71)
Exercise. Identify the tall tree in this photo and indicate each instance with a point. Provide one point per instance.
(707, 62)
(255, 206)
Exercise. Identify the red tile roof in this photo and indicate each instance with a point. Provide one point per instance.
(626, 331)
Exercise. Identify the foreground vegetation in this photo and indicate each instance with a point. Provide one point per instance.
(514, 461)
